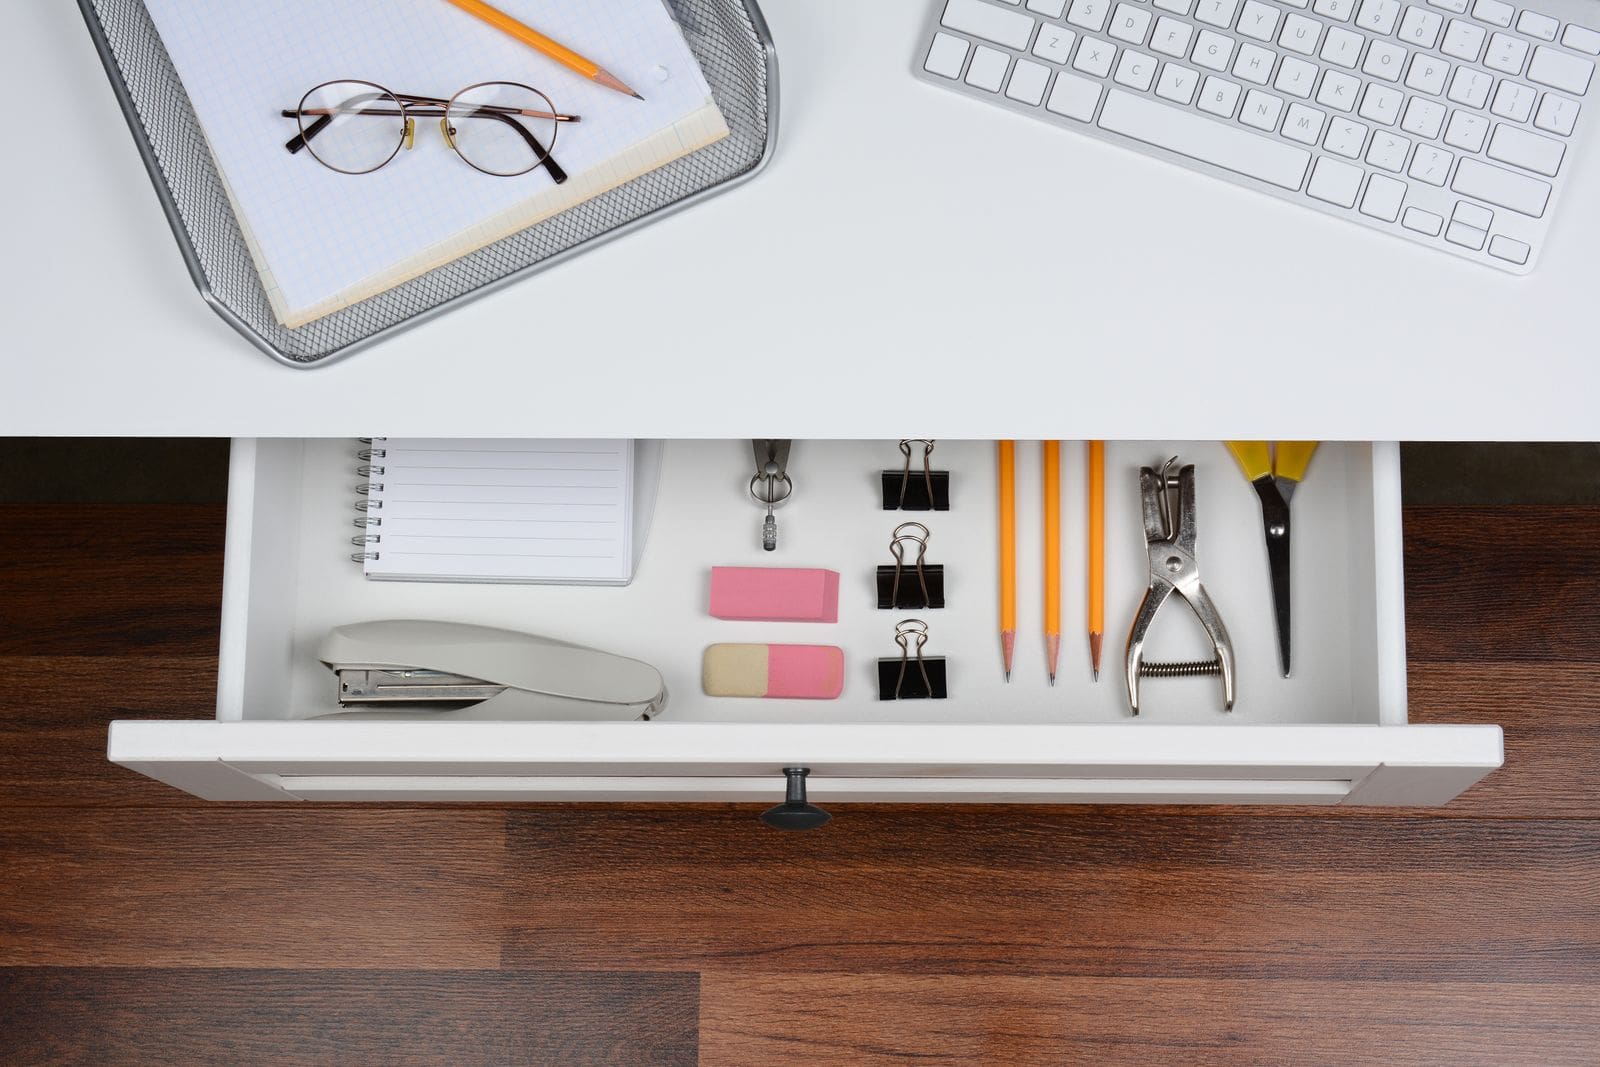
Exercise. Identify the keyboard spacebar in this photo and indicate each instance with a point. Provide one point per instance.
(1188, 134)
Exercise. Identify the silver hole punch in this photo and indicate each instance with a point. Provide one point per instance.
(771, 484)
(1169, 536)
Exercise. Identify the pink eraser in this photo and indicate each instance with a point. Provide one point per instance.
(775, 594)
(794, 672)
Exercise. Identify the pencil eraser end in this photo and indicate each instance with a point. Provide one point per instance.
(775, 594)
(777, 672)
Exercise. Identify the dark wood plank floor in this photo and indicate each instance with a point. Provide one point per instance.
(140, 926)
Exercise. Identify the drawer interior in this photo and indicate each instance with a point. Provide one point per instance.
(289, 579)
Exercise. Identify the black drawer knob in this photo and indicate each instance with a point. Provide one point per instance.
(794, 813)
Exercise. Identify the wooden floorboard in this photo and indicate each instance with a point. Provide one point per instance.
(138, 924)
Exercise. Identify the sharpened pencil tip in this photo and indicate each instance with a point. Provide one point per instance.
(1008, 677)
(1052, 679)
(1096, 673)
(636, 96)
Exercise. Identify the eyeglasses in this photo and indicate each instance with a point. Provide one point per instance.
(499, 128)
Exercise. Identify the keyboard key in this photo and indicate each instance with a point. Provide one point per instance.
(1530, 151)
(1427, 74)
(1560, 71)
(1458, 7)
(1200, 138)
(1136, 70)
(1513, 101)
(1261, 110)
(1463, 40)
(1424, 118)
(1466, 131)
(1335, 182)
(988, 68)
(1503, 188)
(1465, 236)
(1212, 51)
(1430, 164)
(1334, 9)
(1422, 221)
(946, 56)
(1493, 11)
(1381, 104)
(1089, 14)
(1582, 39)
(1217, 13)
(1094, 57)
(1556, 114)
(1475, 215)
(1384, 60)
(1254, 64)
(1470, 87)
(1177, 84)
(1172, 37)
(1296, 77)
(1258, 21)
(1505, 248)
(1388, 151)
(1383, 198)
(1054, 44)
(1506, 53)
(1130, 23)
(1300, 34)
(1219, 97)
(974, 17)
(1341, 47)
(1177, 7)
(1338, 91)
(1303, 124)
(1378, 16)
(1050, 9)
(1536, 25)
(1028, 81)
(1420, 27)
(1345, 138)
(1074, 97)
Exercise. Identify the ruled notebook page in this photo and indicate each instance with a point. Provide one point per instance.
(323, 240)
(503, 511)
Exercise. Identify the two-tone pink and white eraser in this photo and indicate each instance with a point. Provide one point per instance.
(795, 672)
(775, 594)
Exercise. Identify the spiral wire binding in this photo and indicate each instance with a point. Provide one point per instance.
(368, 470)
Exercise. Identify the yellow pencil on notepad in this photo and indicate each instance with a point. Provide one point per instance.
(539, 42)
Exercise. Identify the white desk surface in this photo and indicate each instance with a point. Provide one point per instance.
(910, 263)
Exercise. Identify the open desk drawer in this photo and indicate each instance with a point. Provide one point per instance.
(1334, 733)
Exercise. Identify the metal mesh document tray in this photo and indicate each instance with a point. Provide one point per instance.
(728, 37)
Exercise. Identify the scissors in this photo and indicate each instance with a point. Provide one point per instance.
(1274, 469)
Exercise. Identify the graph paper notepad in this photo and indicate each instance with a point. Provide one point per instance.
(495, 510)
(322, 240)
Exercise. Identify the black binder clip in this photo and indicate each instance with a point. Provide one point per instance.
(903, 679)
(904, 491)
(914, 588)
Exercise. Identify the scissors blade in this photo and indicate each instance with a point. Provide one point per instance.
(1275, 525)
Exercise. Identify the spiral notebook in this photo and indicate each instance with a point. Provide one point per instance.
(322, 240)
(494, 510)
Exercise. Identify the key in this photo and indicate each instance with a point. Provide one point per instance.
(1172, 37)
(1345, 138)
(1430, 164)
(1536, 25)
(974, 17)
(1582, 39)
(1094, 57)
(1470, 87)
(1258, 21)
(1177, 84)
(1219, 97)
(1424, 118)
(1427, 74)
(1338, 91)
(1459, 233)
(1463, 40)
(1334, 9)
(1422, 221)
(1342, 47)
(1200, 138)
(1542, 155)
(1384, 60)
(988, 68)
(1136, 70)
(1254, 64)
(1335, 182)
(1089, 14)
(1560, 71)
(1493, 11)
(1420, 27)
(946, 56)
(1212, 51)
(1300, 34)
(1380, 104)
(1466, 132)
(1474, 215)
(1388, 151)
(1074, 97)
(1556, 114)
(1513, 101)
(1295, 77)
(1378, 16)
(1261, 110)
(1217, 13)
(1303, 124)
(1050, 9)
(1383, 198)
(1505, 248)
(1502, 188)
(1506, 53)
(1054, 44)
(1028, 81)
(1130, 24)
(1458, 7)
(1177, 7)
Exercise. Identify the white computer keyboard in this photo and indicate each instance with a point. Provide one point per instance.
(1449, 122)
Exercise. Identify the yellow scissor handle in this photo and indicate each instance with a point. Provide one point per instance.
(1255, 458)
(1293, 459)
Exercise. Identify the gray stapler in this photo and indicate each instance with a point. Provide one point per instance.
(456, 671)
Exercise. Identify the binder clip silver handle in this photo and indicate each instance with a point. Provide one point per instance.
(771, 485)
